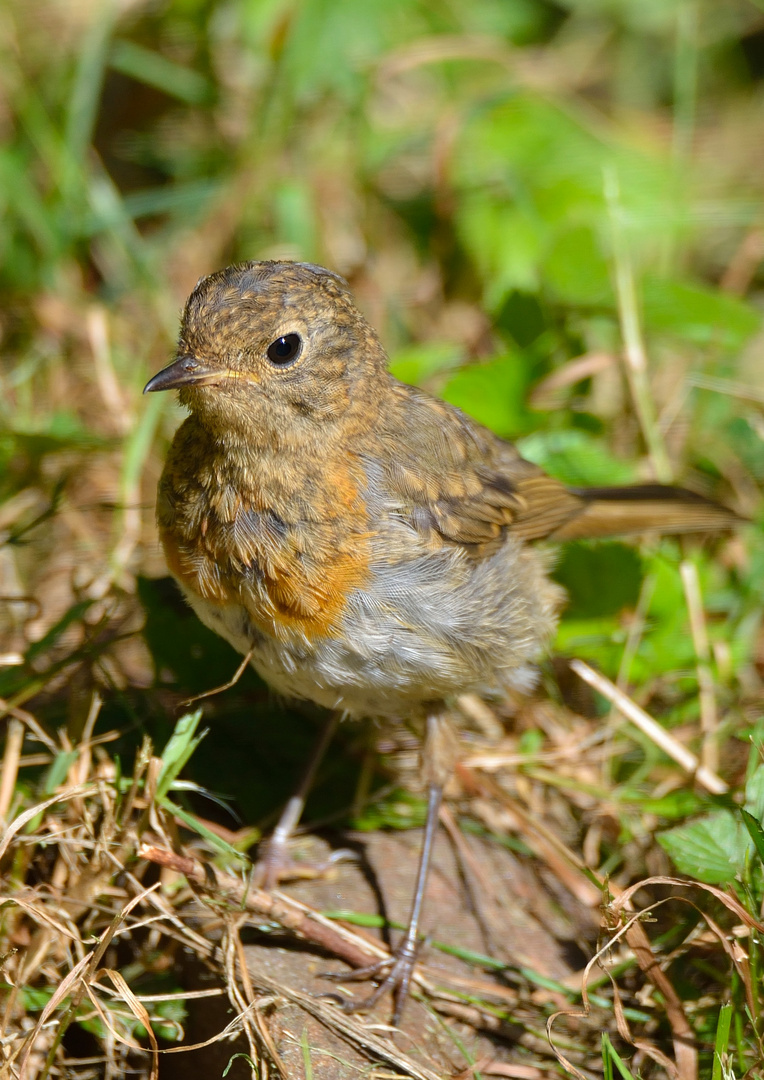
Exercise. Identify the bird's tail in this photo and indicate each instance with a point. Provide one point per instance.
(618, 511)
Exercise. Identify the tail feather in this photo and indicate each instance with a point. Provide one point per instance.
(619, 511)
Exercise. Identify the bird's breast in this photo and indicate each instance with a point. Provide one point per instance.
(291, 554)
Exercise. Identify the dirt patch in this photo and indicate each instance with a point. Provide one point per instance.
(496, 908)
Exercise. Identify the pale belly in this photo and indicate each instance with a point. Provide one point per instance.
(419, 634)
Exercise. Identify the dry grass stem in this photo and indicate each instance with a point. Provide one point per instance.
(675, 750)
(709, 716)
(635, 354)
(14, 741)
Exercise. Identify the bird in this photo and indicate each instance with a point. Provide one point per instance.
(368, 546)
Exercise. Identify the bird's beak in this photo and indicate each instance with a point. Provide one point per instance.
(185, 371)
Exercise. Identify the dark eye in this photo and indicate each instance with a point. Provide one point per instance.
(285, 349)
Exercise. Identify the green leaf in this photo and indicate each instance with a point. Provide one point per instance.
(470, 957)
(676, 804)
(575, 457)
(611, 1057)
(58, 770)
(86, 89)
(505, 243)
(597, 640)
(576, 269)
(721, 1042)
(697, 314)
(178, 750)
(360, 918)
(180, 200)
(196, 826)
(295, 212)
(399, 809)
(60, 431)
(668, 594)
(600, 578)
(153, 69)
(493, 393)
(754, 794)
(714, 849)
(418, 363)
(524, 319)
(755, 832)
(740, 434)
(525, 146)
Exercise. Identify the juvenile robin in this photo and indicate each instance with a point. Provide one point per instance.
(367, 544)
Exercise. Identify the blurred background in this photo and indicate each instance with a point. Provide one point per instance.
(551, 210)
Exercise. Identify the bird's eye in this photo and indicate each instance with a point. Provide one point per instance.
(285, 349)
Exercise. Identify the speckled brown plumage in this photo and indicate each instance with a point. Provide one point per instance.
(368, 540)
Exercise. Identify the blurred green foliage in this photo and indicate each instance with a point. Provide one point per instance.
(521, 193)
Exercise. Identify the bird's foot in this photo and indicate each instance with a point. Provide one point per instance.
(276, 864)
(395, 973)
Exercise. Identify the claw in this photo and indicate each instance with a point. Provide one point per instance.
(394, 971)
(361, 974)
(277, 865)
(342, 855)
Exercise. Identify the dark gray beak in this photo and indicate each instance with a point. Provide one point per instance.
(184, 371)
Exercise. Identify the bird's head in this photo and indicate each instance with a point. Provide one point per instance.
(274, 351)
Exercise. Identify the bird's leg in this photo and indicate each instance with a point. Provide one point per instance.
(276, 863)
(438, 758)
(399, 968)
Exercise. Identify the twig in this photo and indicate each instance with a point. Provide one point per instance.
(744, 263)
(278, 907)
(671, 746)
(11, 757)
(635, 353)
(26, 718)
(224, 686)
(630, 649)
(475, 709)
(709, 717)
(725, 386)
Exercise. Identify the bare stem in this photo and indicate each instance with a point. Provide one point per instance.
(635, 354)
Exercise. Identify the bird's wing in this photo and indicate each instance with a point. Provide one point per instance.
(458, 483)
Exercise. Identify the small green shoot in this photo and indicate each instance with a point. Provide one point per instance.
(178, 750)
(611, 1060)
(721, 1043)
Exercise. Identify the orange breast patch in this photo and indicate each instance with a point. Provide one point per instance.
(294, 585)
